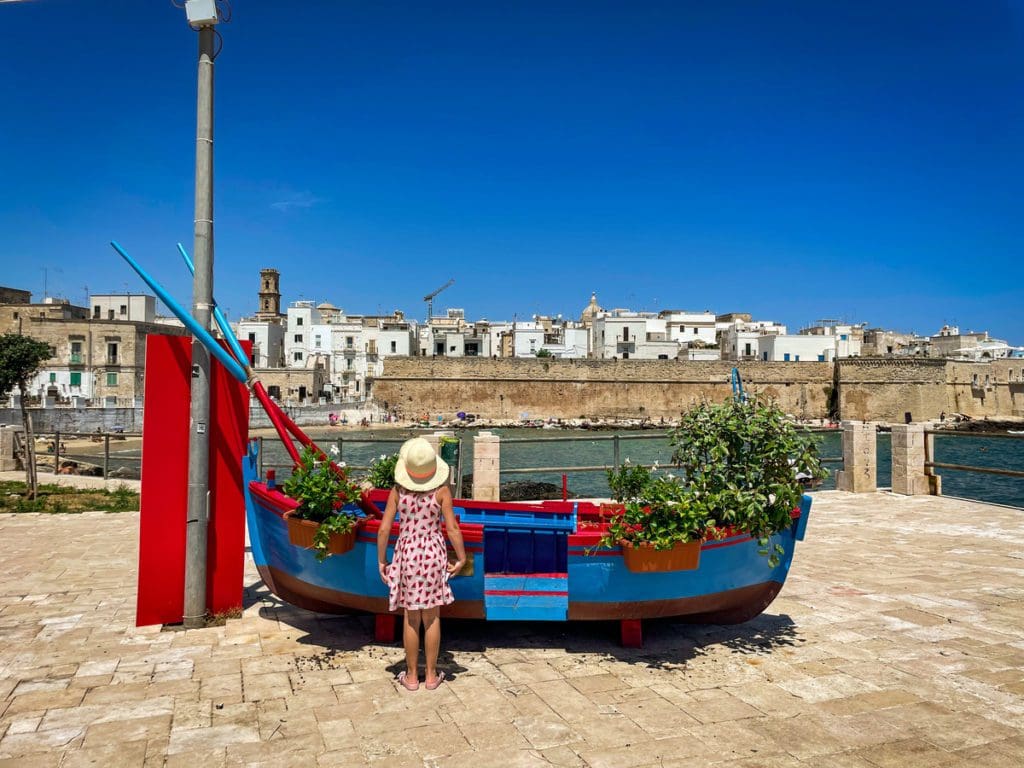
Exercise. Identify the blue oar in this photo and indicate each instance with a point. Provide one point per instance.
(189, 322)
(222, 322)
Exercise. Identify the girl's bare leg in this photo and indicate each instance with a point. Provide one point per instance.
(411, 639)
(431, 640)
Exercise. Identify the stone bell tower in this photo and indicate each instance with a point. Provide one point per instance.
(269, 307)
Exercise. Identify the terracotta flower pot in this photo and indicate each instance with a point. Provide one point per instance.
(301, 533)
(644, 558)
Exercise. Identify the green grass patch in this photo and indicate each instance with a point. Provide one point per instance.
(64, 499)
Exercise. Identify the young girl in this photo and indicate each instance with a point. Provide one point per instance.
(418, 573)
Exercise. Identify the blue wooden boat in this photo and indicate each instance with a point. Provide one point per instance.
(528, 561)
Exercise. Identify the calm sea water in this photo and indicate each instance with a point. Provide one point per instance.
(594, 449)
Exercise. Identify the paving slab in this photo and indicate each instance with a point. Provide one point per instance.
(898, 640)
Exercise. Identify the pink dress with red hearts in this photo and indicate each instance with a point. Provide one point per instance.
(418, 574)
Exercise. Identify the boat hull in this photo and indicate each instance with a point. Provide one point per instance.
(533, 561)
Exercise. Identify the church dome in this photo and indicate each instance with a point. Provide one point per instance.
(590, 311)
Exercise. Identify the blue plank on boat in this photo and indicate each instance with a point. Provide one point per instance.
(526, 597)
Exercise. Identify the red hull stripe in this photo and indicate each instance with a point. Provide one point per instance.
(527, 575)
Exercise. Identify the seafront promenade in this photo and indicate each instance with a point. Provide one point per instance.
(898, 640)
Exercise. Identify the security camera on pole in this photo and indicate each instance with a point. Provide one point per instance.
(202, 16)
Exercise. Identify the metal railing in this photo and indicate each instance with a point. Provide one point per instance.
(57, 448)
(929, 453)
(616, 441)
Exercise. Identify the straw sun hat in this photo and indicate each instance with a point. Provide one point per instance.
(418, 467)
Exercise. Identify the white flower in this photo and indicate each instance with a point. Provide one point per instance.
(383, 457)
(670, 476)
(334, 450)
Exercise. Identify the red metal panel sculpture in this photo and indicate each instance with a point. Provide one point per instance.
(165, 484)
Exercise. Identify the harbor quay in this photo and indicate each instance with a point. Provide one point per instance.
(898, 640)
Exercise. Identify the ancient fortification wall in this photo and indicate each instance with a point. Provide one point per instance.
(886, 389)
(868, 388)
(541, 388)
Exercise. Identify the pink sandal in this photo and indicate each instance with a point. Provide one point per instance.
(437, 681)
(406, 684)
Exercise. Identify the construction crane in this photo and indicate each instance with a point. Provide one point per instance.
(429, 298)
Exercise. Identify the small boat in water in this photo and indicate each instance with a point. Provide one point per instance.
(527, 561)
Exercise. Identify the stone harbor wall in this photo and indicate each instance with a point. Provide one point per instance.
(866, 389)
(886, 389)
(508, 388)
(77, 419)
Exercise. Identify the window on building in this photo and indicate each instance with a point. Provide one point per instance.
(96, 312)
(694, 331)
(316, 340)
(112, 353)
(76, 378)
(682, 329)
(349, 341)
(110, 314)
(124, 309)
(112, 379)
(625, 333)
(746, 349)
(357, 385)
(394, 346)
(974, 380)
(764, 356)
(298, 321)
(348, 363)
(663, 357)
(53, 378)
(252, 337)
(266, 304)
(625, 355)
(297, 357)
(298, 338)
(785, 357)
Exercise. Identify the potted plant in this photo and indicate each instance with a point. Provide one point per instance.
(321, 521)
(737, 463)
(382, 471)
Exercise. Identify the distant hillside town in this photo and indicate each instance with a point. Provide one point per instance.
(312, 353)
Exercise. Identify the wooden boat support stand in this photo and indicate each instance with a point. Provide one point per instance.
(531, 561)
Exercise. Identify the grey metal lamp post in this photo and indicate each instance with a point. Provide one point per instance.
(201, 15)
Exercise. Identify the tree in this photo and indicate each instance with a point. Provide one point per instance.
(20, 357)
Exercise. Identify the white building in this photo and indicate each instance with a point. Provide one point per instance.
(133, 307)
(686, 327)
(796, 348)
(740, 338)
(267, 338)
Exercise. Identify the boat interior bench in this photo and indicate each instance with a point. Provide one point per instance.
(525, 559)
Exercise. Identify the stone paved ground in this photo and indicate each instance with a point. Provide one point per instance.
(898, 641)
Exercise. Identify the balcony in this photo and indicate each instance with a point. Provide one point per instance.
(349, 351)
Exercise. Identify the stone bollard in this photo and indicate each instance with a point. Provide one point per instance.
(860, 460)
(908, 475)
(8, 442)
(487, 467)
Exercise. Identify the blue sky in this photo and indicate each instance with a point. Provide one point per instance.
(796, 160)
